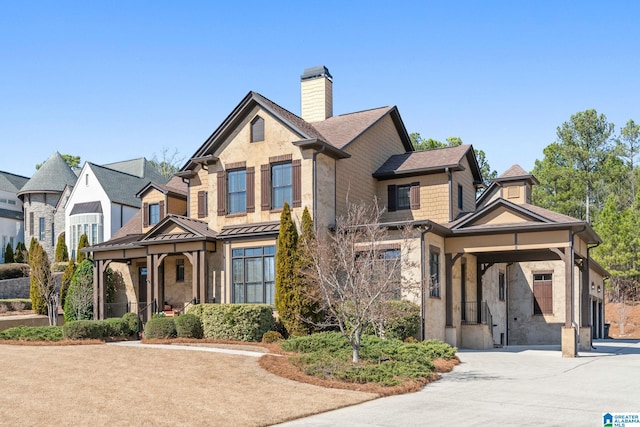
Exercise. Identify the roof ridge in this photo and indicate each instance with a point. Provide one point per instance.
(360, 111)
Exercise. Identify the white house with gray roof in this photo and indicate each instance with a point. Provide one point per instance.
(104, 199)
(11, 215)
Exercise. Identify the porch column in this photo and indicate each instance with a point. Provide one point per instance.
(448, 296)
(479, 274)
(150, 288)
(99, 288)
(195, 260)
(569, 339)
(158, 280)
(203, 276)
(585, 298)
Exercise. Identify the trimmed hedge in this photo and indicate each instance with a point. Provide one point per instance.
(32, 333)
(240, 322)
(85, 329)
(160, 327)
(13, 304)
(189, 326)
(13, 271)
(134, 323)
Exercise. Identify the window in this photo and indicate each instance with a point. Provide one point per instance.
(257, 129)
(460, 194)
(86, 179)
(94, 234)
(405, 196)
(31, 229)
(237, 185)
(154, 213)
(501, 287)
(53, 234)
(42, 230)
(542, 293)
(403, 200)
(281, 185)
(179, 270)
(253, 274)
(434, 272)
(12, 202)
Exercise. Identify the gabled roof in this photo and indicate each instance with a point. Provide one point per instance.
(140, 167)
(175, 187)
(529, 218)
(190, 230)
(86, 207)
(52, 177)
(11, 183)
(133, 226)
(120, 186)
(429, 161)
(337, 132)
(514, 173)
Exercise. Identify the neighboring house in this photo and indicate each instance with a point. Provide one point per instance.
(496, 271)
(11, 215)
(104, 199)
(43, 198)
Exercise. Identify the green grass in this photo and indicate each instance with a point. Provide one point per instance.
(386, 362)
(32, 333)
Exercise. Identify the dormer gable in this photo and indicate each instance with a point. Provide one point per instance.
(515, 185)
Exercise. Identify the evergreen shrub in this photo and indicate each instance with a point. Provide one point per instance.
(240, 322)
(189, 326)
(160, 327)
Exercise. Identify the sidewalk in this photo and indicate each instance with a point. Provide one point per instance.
(188, 348)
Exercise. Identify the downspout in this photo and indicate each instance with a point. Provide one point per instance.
(423, 309)
(589, 272)
(450, 184)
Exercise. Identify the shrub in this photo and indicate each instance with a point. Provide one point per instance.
(62, 254)
(272, 336)
(331, 342)
(13, 271)
(85, 329)
(402, 320)
(189, 326)
(15, 304)
(83, 242)
(160, 327)
(133, 323)
(241, 322)
(8, 254)
(117, 327)
(78, 303)
(20, 255)
(33, 333)
(65, 282)
(58, 267)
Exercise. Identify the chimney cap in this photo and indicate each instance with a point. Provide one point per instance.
(315, 72)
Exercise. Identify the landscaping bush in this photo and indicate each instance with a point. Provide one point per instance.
(272, 336)
(160, 327)
(32, 333)
(133, 322)
(117, 327)
(8, 254)
(14, 304)
(402, 320)
(59, 267)
(85, 329)
(387, 362)
(241, 322)
(13, 271)
(189, 326)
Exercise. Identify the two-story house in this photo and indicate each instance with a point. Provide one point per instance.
(223, 249)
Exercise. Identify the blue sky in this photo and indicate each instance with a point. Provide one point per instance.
(117, 80)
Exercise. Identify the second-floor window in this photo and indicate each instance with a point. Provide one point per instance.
(154, 213)
(460, 197)
(281, 185)
(237, 185)
(404, 196)
(403, 201)
(42, 229)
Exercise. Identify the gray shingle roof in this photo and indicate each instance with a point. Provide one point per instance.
(87, 207)
(8, 213)
(339, 131)
(420, 162)
(12, 183)
(121, 187)
(141, 167)
(53, 176)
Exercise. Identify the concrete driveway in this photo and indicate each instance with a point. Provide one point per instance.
(515, 386)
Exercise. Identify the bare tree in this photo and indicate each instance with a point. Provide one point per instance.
(168, 162)
(45, 283)
(355, 269)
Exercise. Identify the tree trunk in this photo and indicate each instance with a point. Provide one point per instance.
(355, 345)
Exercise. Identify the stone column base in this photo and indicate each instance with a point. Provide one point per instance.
(585, 338)
(569, 342)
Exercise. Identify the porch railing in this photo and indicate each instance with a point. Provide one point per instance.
(472, 314)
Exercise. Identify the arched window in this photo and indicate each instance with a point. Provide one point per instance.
(257, 129)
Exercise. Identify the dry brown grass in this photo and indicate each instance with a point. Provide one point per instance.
(107, 385)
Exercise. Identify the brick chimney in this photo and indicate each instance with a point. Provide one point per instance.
(316, 94)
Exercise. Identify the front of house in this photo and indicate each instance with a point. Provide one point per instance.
(215, 241)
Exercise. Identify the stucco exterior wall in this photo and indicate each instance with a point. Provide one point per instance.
(435, 307)
(368, 152)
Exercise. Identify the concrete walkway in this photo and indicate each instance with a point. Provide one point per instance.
(516, 386)
(139, 344)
